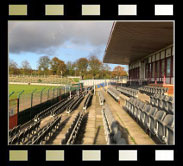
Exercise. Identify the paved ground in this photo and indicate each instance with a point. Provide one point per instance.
(99, 128)
(89, 130)
(134, 134)
(94, 131)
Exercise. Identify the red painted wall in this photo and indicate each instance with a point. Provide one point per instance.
(13, 121)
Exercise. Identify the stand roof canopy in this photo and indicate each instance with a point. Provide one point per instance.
(129, 41)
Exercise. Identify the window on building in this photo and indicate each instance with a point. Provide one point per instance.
(138, 73)
(162, 67)
(146, 71)
(150, 70)
(153, 70)
(168, 67)
(157, 69)
(134, 73)
(172, 66)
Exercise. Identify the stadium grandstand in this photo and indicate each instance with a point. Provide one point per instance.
(138, 111)
(147, 48)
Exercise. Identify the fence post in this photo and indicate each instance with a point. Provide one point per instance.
(32, 101)
(32, 96)
(60, 91)
(48, 93)
(70, 91)
(41, 94)
(53, 92)
(18, 105)
(57, 92)
(11, 93)
(65, 89)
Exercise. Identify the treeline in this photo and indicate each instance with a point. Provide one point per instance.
(86, 68)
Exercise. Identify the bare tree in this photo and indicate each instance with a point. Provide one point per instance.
(13, 67)
(26, 68)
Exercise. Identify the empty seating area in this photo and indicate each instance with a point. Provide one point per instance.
(46, 132)
(162, 102)
(40, 129)
(22, 137)
(88, 100)
(157, 122)
(128, 91)
(75, 130)
(101, 98)
(70, 129)
(75, 104)
(154, 118)
(112, 131)
(64, 105)
(72, 132)
(14, 131)
(149, 90)
(114, 93)
(50, 110)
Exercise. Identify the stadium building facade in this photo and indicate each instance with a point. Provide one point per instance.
(148, 50)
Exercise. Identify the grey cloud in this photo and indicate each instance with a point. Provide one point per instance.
(46, 36)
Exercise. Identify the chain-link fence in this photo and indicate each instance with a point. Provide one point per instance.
(38, 97)
(13, 106)
(28, 100)
(13, 109)
(24, 106)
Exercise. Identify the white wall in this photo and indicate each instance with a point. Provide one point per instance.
(94, 82)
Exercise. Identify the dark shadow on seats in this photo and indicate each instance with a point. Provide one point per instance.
(124, 132)
(82, 130)
(96, 135)
(90, 102)
(58, 131)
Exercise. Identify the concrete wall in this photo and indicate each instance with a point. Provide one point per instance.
(91, 82)
(94, 82)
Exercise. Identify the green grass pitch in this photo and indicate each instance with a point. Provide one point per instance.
(28, 89)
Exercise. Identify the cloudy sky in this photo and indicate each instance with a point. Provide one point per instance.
(67, 40)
